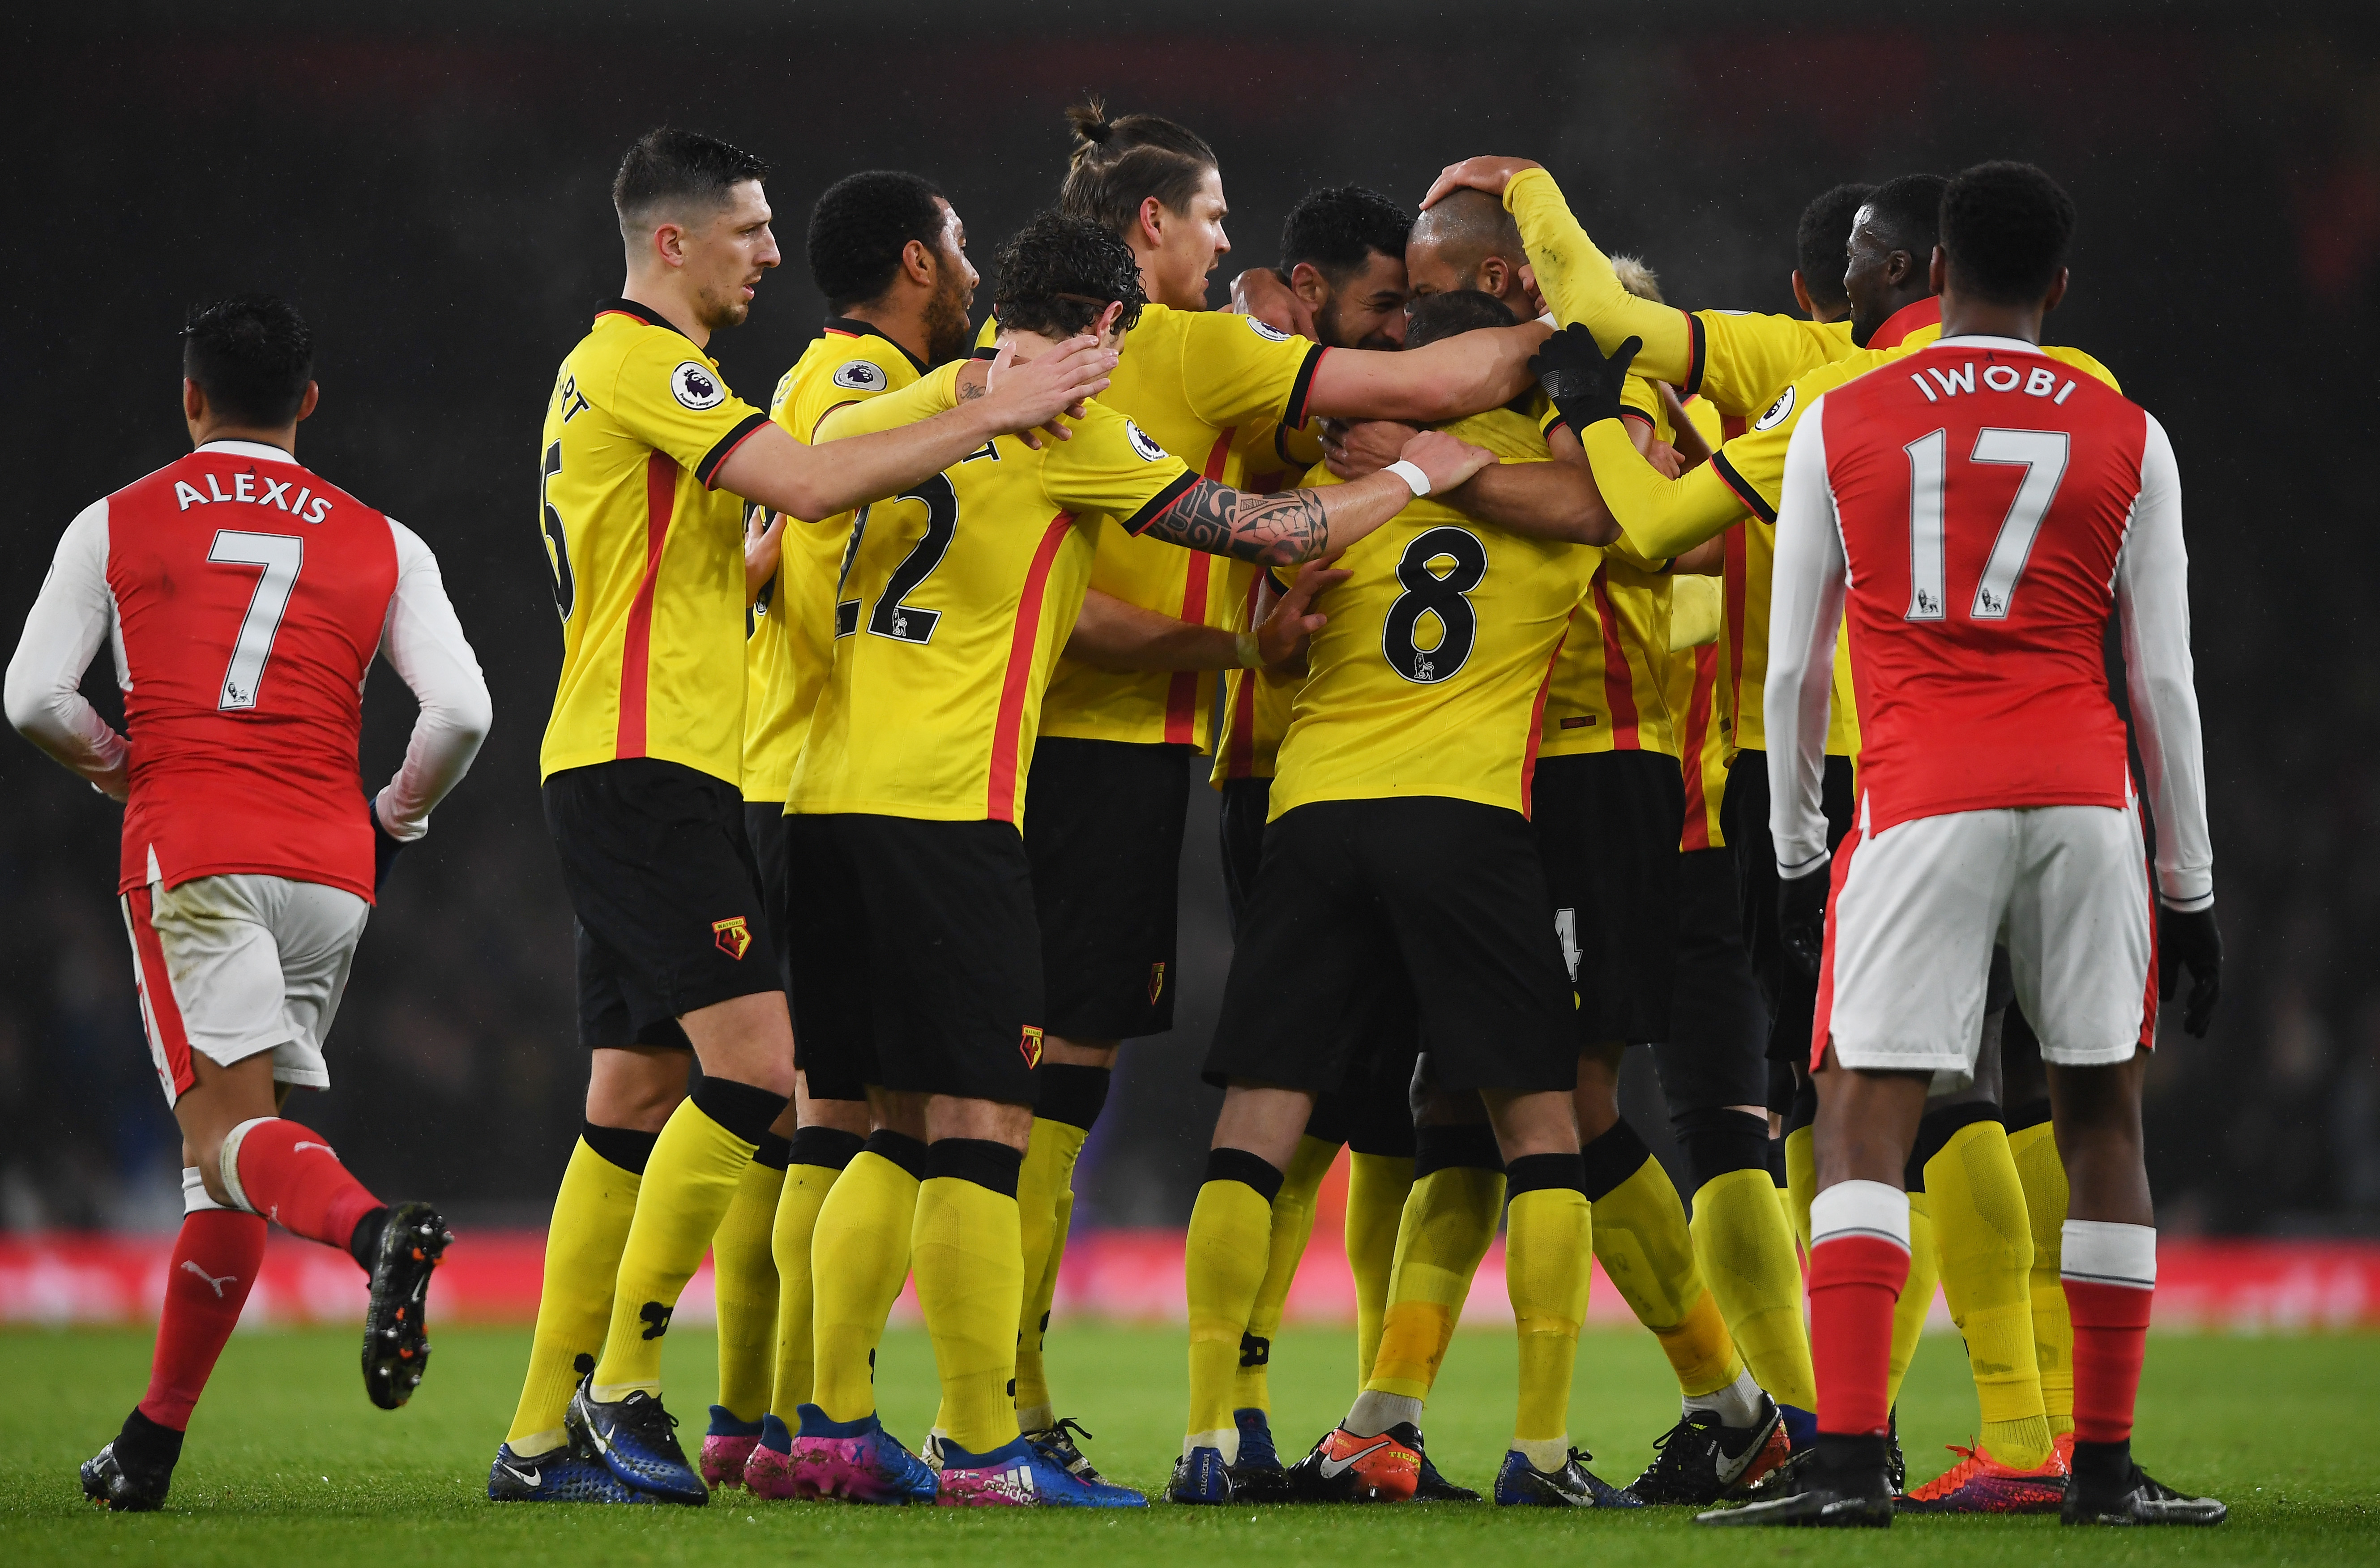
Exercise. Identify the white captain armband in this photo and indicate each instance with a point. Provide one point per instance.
(1417, 481)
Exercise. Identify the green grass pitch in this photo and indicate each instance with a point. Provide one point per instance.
(288, 1464)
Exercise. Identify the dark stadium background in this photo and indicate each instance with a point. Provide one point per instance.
(432, 192)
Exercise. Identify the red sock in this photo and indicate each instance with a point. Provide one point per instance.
(215, 1259)
(284, 1172)
(1854, 1279)
(2111, 1331)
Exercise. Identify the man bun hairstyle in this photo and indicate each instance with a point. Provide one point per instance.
(668, 171)
(2006, 228)
(1059, 272)
(1906, 213)
(1819, 238)
(860, 228)
(1458, 311)
(1335, 230)
(254, 356)
(1118, 163)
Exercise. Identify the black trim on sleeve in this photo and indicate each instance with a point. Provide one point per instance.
(1303, 387)
(1280, 435)
(987, 352)
(1745, 491)
(856, 328)
(1697, 356)
(1157, 504)
(708, 469)
(1639, 414)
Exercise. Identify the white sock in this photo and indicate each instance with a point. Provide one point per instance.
(1225, 1439)
(1545, 1455)
(1740, 1404)
(1373, 1413)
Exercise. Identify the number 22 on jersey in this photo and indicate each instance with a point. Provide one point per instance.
(894, 618)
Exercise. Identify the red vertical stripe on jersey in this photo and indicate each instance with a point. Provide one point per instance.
(2149, 1000)
(173, 1042)
(1182, 692)
(1698, 717)
(999, 799)
(1240, 748)
(636, 646)
(1619, 691)
(1537, 722)
(1734, 564)
(1822, 1017)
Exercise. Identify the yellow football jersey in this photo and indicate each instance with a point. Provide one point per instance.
(1691, 679)
(791, 640)
(955, 598)
(1738, 359)
(648, 559)
(1431, 678)
(1255, 713)
(1608, 692)
(1214, 388)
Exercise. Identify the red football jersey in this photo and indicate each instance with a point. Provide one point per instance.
(251, 596)
(1984, 493)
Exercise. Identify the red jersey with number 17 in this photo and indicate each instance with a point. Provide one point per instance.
(250, 597)
(1984, 493)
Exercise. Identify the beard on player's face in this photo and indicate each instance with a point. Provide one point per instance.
(948, 330)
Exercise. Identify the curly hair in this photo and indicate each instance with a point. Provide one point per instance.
(1118, 163)
(1336, 229)
(1819, 241)
(253, 355)
(1059, 272)
(2006, 228)
(860, 228)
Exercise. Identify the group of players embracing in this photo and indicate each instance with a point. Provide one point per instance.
(1515, 609)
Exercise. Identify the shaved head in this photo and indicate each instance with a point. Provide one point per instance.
(1468, 227)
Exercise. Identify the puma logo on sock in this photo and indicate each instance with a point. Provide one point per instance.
(657, 1319)
(189, 1266)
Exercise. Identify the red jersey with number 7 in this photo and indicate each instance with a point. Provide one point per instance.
(1984, 493)
(250, 596)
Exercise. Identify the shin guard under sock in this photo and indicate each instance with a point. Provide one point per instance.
(1547, 1262)
(1449, 1221)
(745, 1271)
(592, 1214)
(1984, 1239)
(1642, 1240)
(213, 1268)
(283, 1171)
(860, 1260)
(1858, 1259)
(814, 1161)
(2034, 1148)
(2110, 1277)
(1292, 1227)
(1228, 1253)
(967, 1253)
(1378, 1186)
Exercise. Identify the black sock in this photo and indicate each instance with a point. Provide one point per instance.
(148, 1443)
(363, 1242)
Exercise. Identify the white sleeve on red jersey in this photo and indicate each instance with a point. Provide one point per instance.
(2153, 601)
(1805, 605)
(72, 615)
(424, 644)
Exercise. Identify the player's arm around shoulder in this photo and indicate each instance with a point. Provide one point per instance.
(62, 630)
(934, 393)
(1548, 494)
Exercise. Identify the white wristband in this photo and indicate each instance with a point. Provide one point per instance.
(1247, 651)
(1413, 475)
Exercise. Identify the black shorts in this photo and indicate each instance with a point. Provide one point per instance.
(1353, 894)
(1608, 825)
(1718, 1024)
(1103, 828)
(764, 828)
(1239, 830)
(670, 915)
(916, 962)
(1743, 818)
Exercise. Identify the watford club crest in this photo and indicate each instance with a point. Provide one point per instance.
(1028, 1045)
(733, 935)
(1156, 983)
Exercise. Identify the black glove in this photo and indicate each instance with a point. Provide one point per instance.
(386, 849)
(2189, 941)
(1801, 917)
(1583, 383)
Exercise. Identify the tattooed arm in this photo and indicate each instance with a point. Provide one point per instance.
(1294, 526)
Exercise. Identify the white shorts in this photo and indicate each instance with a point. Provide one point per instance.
(1914, 911)
(231, 965)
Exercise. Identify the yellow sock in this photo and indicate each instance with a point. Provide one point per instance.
(1642, 1240)
(1800, 1183)
(1449, 1221)
(1547, 1236)
(692, 1178)
(1916, 1298)
(1746, 1252)
(1985, 1238)
(798, 1202)
(582, 1258)
(969, 1255)
(745, 1271)
(1378, 1185)
(859, 1256)
(2034, 1149)
(1292, 1227)
(1229, 1250)
(1044, 1199)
